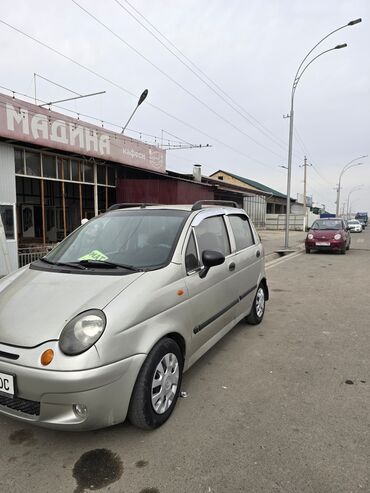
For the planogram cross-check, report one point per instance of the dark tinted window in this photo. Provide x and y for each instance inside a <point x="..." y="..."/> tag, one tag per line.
<point x="242" y="231"/>
<point x="7" y="217"/>
<point x="212" y="235"/>
<point x="191" y="255"/>
<point x="49" y="168"/>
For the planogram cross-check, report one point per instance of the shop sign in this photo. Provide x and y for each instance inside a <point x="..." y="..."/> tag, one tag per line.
<point x="30" y="123"/>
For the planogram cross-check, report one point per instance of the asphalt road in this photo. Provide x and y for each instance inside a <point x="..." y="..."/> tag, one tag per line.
<point x="281" y="407"/>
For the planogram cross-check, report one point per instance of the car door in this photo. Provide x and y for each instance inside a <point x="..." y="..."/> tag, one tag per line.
<point x="212" y="300"/>
<point x="248" y="261"/>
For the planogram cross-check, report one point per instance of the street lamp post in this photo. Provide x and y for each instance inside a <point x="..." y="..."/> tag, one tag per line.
<point x="348" y="166"/>
<point x="354" y="189"/>
<point x="297" y="78"/>
<point x="141" y="100"/>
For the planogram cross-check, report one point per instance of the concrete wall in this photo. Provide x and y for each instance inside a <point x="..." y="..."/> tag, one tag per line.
<point x="277" y="221"/>
<point x="8" y="196"/>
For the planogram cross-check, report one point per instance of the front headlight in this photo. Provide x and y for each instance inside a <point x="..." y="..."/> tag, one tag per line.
<point x="82" y="332"/>
<point x="337" y="237"/>
<point x="310" y="236"/>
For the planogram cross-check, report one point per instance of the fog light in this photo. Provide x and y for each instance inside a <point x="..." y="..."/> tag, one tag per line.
<point x="80" y="410"/>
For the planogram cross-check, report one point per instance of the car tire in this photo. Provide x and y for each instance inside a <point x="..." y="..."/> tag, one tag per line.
<point x="258" y="309"/>
<point x="308" y="250"/>
<point x="151" y="405"/>
<point x="343" y="251"/>
<point x="347" y="247"/>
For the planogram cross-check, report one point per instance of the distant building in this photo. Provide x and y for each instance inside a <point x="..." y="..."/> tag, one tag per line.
<point x="275" y="201"/>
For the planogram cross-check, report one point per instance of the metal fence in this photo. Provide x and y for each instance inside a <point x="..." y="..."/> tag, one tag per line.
<point x="29" y="254"/>
<point x="255" y="207"/>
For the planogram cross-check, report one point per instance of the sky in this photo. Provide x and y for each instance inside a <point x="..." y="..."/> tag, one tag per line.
<point x="250" y="49"/>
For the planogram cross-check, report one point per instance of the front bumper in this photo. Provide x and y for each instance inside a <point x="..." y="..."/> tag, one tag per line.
<point x="333" y="244"/>
<point x="46" y="397"/>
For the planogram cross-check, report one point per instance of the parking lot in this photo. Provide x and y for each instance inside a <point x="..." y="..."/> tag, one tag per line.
<point x="279" y="407"/>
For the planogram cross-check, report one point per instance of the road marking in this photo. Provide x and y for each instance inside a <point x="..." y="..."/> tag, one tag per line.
<point x="278" y="261"/>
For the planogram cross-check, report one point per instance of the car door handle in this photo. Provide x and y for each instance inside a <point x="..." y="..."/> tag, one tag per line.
<point x="258" y="253"/>
<point x="232" y="266"/>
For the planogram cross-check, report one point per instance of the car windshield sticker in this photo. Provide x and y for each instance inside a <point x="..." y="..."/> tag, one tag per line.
<point x="94" y="255"/>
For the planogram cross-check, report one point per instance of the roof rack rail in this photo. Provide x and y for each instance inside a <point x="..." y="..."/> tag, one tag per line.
<point x="126" y="205"/>
<point x="200" y="203"/>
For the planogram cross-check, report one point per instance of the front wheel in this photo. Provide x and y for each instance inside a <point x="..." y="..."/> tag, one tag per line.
<point x="258" y="309"/>
<point x="308" y="250"/>
<point x="157" y="386"/>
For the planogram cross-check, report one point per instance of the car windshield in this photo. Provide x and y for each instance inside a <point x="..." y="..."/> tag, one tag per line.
<point x="353" y="221"/>
<point x="328" y="224"/>
<point x="136" y="239"/>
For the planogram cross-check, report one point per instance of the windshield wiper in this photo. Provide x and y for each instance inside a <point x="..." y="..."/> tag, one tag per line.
<point x="63" y="264"/>
<point x="106" y="263"/>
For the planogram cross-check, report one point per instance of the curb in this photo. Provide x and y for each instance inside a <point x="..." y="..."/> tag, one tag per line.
<point x="282" y="253"/>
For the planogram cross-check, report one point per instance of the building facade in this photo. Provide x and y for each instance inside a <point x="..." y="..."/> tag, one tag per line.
<point x="56" y="171"/>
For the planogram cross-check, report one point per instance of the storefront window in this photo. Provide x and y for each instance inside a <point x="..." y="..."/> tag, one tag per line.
<point x="64" y="171"/>
<point x="7" y="218"/>
<point x="111" y="176"/>
<point x="102" y="171"/>
<point x="102" y="199"/>
<point x="88" y="172"/>
<point x="49" y="166"/>
<point x="33" y="164"/>
<point x="19" y="161"/>
<point x="88" y="201"/>
<point x="76" y="172"/>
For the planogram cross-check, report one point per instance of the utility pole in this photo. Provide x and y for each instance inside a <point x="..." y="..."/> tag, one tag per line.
<point x="304" y="165"/>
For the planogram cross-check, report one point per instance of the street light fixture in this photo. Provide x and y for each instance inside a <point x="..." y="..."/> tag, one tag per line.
<point x="141" y="100"/>
<point x="354" y="189"/>
<point x="297" y="78"/>
<point x="346" y="168"/>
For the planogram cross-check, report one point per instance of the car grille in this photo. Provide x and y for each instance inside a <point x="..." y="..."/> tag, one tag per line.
<point x="23" y="405"/>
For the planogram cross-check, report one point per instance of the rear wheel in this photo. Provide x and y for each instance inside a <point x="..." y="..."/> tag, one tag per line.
<point x="258" y="309"/>
<point x="157" y="386"/>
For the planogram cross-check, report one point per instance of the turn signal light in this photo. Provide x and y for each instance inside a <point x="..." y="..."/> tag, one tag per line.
<point x="47" y="357"/>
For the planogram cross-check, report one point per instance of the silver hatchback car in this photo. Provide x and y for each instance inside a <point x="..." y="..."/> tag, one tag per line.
<point x="103" y="327"/>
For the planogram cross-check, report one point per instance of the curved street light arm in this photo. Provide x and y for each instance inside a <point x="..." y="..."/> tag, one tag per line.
<point x="346" y="168"/>
<point x="351" y="23"/>
<point x="309" y="63"/>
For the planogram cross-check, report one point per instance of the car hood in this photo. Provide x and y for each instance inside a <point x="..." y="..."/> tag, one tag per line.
<point x="36" y="305"/>
<point x="325" y="234"/>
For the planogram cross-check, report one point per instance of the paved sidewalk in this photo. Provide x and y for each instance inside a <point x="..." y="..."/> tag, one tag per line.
<point x="274" y="240"/>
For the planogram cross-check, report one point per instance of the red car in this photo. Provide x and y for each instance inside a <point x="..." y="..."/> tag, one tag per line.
<point x="328" y="234"/>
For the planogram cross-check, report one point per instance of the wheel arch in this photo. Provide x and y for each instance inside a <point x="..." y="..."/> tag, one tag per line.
<point x="265" y="287"/>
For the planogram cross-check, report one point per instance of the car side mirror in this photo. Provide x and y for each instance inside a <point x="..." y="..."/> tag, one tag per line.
<point x="210" y="259"/>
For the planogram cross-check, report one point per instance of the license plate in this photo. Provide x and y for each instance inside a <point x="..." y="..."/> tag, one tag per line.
<point x="7" y="384"/>
<point x="323" y="243"/>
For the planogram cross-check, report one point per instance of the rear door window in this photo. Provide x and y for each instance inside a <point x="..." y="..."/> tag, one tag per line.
<point x="242" y="231"/>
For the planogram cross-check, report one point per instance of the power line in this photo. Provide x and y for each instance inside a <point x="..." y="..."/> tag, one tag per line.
<point x="218" y="91"/>
<point x="174" y="81"/>
<point x="118" y="86"/>
<point x="263" y="128"/>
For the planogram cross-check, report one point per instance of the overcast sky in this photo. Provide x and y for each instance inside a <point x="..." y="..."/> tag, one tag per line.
<point x="250" y="48"/>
